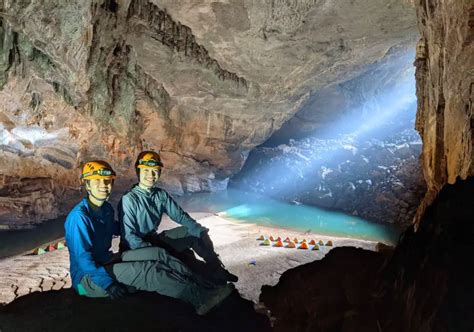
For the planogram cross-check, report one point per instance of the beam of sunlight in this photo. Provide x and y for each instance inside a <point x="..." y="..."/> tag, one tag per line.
<point x="388" y="109"/>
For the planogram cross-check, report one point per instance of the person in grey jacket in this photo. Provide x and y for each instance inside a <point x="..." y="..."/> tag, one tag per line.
<point x="140" y="213"/>
<point x="97" y="272"/>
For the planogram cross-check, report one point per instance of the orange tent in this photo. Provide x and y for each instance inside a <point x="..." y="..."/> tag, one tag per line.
<point x="312" y="242"/>
<point x="278" y="244"/>
<point x="260" y="238"/>
<point x="271" y="238"/>
<point x="303" y="246"/>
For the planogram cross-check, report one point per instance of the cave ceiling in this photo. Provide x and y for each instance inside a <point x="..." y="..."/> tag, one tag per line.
<point x="202" y="81"/>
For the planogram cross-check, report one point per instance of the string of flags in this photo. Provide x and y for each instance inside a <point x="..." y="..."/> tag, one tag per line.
<point x="288" y="243"/>
<point x="50" y="247"/>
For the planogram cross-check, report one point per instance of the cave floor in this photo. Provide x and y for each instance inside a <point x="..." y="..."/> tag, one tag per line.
<point x="242" y="254"/>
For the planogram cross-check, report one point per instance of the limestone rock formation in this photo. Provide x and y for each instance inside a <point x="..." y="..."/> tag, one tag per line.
<point x="444" y="74"/>
<point x="204" y="82"/>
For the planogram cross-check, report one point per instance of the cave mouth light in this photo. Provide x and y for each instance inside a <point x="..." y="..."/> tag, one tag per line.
<point x="387" y="108"/>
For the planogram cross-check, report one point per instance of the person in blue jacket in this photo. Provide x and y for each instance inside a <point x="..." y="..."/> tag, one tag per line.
<point x="140" y="213"/>
<point x="97" y="272"/>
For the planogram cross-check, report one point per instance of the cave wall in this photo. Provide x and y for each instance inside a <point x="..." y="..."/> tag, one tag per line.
<point x="204" y="82"/>
<point x="444" y="73"/>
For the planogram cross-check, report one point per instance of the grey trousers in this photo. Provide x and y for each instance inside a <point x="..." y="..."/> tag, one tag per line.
<point x="152" y="269"/>
<point x="178" y="243"/>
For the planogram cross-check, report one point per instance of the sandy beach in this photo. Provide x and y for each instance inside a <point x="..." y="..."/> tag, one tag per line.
<point x="242" y="254"/>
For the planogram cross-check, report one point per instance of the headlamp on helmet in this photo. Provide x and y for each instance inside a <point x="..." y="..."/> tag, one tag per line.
<point x="149" y="163"/>
<point x="148" y="159"/>
<point x="95" y="170"/>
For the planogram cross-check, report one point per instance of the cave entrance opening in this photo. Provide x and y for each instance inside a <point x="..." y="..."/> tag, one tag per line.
<point x="352" y="148"/>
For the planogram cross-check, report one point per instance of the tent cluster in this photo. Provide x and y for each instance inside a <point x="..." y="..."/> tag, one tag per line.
<point x="288" y="243"/>
<point x="50" y="247"/>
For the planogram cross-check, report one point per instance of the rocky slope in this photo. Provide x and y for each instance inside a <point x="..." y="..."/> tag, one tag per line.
<point x="379" y="179"/>
<point x="204" y="82"/>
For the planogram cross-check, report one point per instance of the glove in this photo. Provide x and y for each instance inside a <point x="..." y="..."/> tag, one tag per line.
<point x="117" y="291"/>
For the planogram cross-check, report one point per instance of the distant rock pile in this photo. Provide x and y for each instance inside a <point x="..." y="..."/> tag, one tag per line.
<point x="377" y="179"/>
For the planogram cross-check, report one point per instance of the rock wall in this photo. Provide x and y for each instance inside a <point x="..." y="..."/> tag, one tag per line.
<point x="444" y="73"/>
<point x="204" y="82"/>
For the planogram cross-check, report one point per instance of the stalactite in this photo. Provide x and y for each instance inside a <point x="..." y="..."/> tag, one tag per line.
<point x="179" y="38"/>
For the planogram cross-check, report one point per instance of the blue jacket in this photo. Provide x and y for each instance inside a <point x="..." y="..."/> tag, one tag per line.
<point x="89" y="237"/>
<point x="140" y="213"/>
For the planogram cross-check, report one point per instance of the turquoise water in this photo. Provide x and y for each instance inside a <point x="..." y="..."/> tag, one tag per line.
<point x="253" y="208"/>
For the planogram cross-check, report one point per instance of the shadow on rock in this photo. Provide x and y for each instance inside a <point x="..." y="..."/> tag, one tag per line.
<point x="65" y="311"/>
<point x="332" y="294"/>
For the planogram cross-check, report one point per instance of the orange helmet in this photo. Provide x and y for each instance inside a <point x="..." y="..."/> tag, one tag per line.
<point x="97" y="169"/>
<point x="148" y="159"/>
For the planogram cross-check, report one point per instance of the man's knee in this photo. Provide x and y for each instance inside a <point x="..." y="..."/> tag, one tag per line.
<point x="175" y="233"/>
<point x="177" y="239"/>
<point x="144" y="254"/>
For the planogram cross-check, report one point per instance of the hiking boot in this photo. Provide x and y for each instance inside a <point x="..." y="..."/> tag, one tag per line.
<point x="213" y="298"/>
<point x="219" y="274"/>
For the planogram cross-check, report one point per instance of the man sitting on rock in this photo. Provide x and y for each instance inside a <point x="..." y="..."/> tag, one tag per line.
<point x="96" y="272"/>
<point x="140" y="213"/>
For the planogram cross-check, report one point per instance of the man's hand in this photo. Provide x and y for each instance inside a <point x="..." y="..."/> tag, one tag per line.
<point x="117" y="291"/>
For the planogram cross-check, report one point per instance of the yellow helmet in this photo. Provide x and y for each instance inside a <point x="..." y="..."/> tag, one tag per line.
<point x="97" y="169"/>
<point x="148" y="159"/>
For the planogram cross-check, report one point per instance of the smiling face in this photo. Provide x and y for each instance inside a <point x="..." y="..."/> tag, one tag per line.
<point x="148" y="177"/>
<point x="99" y="190"/>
